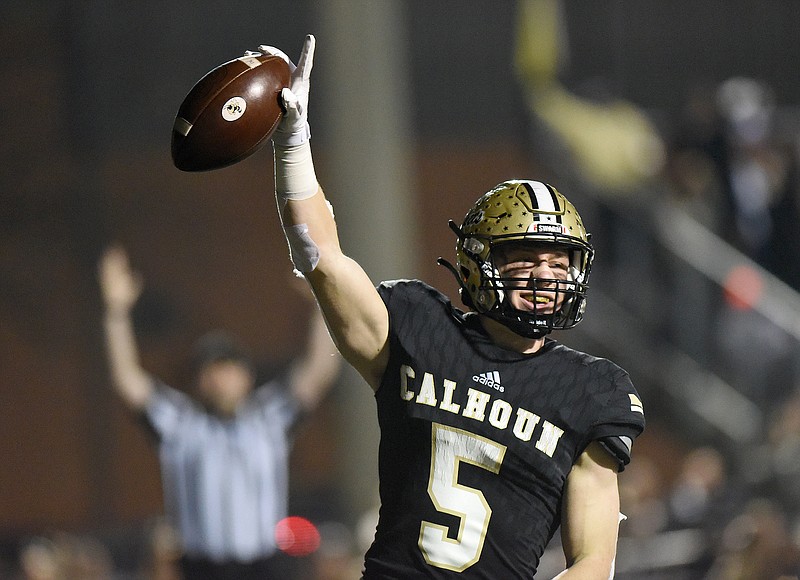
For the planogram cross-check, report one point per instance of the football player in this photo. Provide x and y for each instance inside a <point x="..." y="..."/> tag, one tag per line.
<point x="492" y="433"/>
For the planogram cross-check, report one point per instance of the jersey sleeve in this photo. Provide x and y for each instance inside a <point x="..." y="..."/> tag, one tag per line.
<point x="166" y="410"/>
<point x="274" y="400"/>
<point x="395" y="294"/>
<point x="408" y="301"/>
<point x="621" y="419"/>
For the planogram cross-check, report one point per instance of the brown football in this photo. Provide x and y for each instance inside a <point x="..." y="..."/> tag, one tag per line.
<point x="229" y="113"/>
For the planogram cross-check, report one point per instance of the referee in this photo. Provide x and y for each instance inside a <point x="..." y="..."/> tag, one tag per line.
<point x="224" y="453"/>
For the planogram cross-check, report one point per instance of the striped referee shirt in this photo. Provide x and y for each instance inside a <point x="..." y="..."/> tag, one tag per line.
<point x="225" y="480"/>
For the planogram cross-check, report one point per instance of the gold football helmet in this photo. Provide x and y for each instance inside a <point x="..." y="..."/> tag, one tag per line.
<point x="529" y="213"/>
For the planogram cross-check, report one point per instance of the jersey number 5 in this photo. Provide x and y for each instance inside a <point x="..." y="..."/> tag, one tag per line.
<point x="449" y="448"/>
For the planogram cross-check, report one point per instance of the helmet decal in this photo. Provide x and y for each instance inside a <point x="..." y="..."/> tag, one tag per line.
<point x="542" y="197"/>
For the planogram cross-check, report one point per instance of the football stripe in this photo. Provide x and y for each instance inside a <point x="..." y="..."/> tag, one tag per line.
<point x="544" y="199"/>
<point x="250" y="61"/>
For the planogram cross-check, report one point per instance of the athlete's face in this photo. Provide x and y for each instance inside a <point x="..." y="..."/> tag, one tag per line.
<point x="536" y="273"/>
<point x="223" y="385"/>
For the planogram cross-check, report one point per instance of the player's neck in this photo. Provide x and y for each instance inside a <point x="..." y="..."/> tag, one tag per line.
<point x="506" y="338"/>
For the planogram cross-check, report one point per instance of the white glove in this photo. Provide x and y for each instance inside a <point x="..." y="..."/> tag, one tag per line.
<point x="294" y="128"/>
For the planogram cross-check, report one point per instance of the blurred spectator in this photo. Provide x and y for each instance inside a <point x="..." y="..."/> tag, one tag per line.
<point x="783" y="451"/>
<point x="734" y="173"/>
<point x="65" y="557"/>
<point x="754" y="355"/>
<point x="643" y="498"/>
<point x="339" y="557"/>
<point x="162" y="560"/>
<point x="757" y="545"/>
<point x="782" y="256"/>
<point x="701" y="496"/>
<point x="754" y="172"/>
<point x="39" y="560"/>
<point x="694" y="154"/>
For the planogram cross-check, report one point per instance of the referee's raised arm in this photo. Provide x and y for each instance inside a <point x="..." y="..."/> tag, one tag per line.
<point x="121" y="287"/>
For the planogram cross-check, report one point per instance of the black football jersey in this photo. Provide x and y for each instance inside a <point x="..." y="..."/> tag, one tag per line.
<point x="477" y="441"/>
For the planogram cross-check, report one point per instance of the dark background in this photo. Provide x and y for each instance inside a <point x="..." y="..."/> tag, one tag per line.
<point x="89" y="91"/>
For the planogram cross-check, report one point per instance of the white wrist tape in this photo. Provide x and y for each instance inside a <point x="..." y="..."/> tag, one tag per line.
<point x="294" y="172"/>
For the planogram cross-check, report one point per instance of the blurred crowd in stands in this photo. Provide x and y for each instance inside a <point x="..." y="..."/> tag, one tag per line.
<point x="730" y="509"/>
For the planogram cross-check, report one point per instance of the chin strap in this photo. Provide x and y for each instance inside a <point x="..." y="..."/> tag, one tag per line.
<point x="517" y="325"/>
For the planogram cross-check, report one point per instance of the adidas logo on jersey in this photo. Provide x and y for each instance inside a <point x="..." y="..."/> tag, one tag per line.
<point x="490" y="379"/>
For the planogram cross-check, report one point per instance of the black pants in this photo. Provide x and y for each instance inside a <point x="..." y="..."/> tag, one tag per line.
<point x="276" y="567"/>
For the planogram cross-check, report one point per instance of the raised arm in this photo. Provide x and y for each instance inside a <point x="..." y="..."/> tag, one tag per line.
<point x="353" y="310"/>
<point x="121" y="288"/>
<point x="590" y="516"/>
<point x="317" y="368"/>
